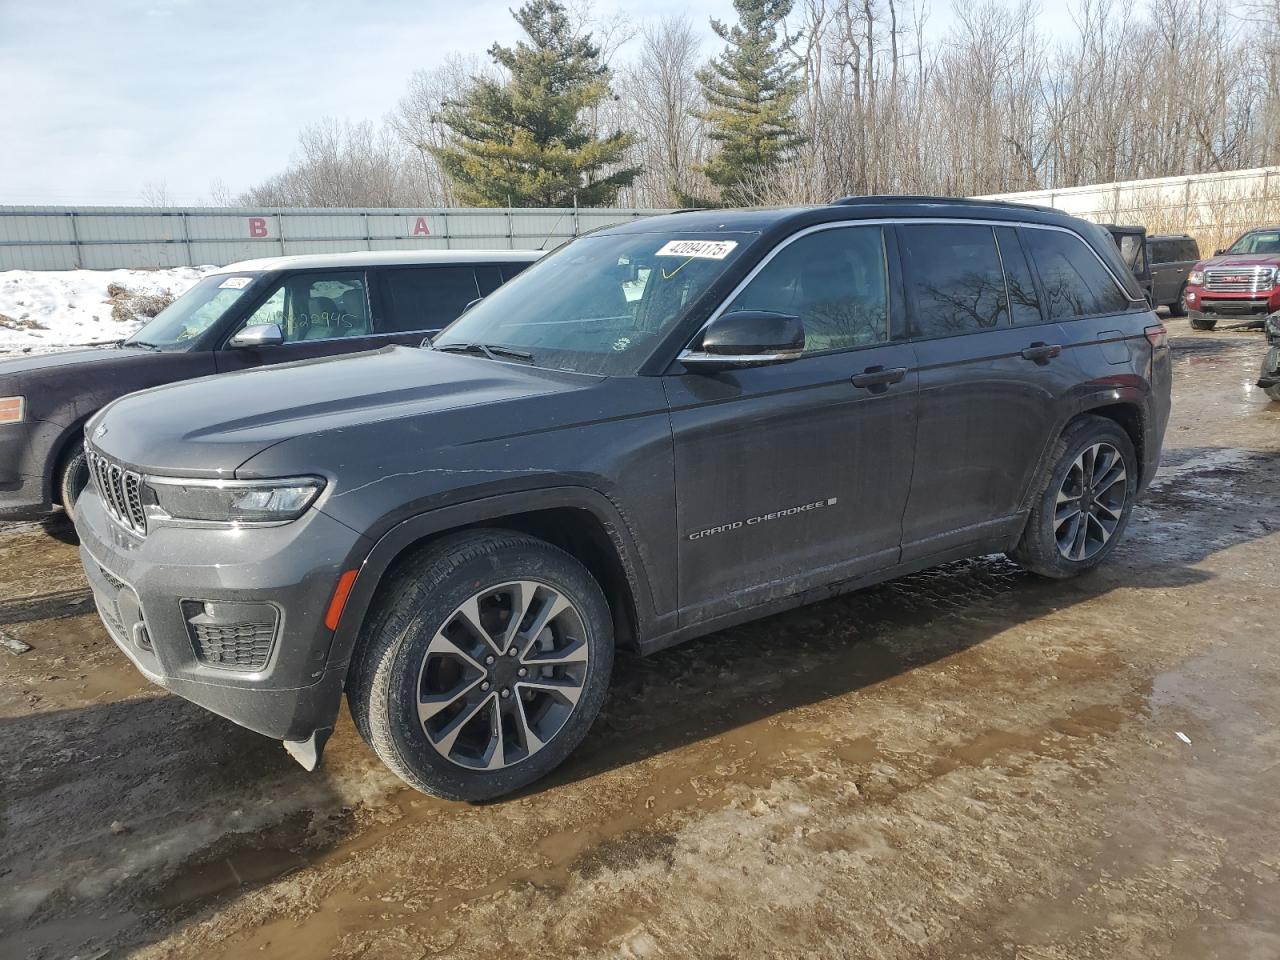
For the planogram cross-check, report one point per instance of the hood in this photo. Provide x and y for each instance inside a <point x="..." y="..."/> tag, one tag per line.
<point x="1241" y="260"/>
<point x="29" y="363"/>
<point x="210" y="426"/>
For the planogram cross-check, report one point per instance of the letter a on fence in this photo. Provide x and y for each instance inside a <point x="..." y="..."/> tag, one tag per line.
<point x="420" y="227"/>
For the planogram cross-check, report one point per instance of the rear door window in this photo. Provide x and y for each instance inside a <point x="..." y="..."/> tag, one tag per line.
<point x="488" y="279"/>
<point x="1163" y="251"/>
<point x="510" y="270"/>
<point x="954" y="279"/>
<point x="1075" y="282"/>
<point x="424" y="298"/>
<point x="1024" y="300"/>
<point x="1190" y="250"/>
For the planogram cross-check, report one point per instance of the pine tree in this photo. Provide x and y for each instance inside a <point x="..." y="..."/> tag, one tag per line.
<point x="751" y="93"/>
<point x="525" y="141"/>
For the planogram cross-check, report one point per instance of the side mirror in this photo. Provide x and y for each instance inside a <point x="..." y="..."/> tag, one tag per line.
<point x="1219" y="252"/>
<point x="257" y="335"/>
<point x="747" y="338"/>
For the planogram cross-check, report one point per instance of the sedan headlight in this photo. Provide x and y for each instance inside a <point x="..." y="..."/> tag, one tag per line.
<point x="230" y="501"/>
<point x="13" y="409"/>
<point x="1196" y="277"/>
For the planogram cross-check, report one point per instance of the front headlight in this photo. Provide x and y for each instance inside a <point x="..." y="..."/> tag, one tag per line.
<point x="1196" y="277"/>
<point x="13" y="409"/>
<point x="230" y="501"/>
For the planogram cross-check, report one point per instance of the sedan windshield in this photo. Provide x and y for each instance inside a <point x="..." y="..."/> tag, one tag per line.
<point x="194" y="312"/>
<point x="1260" y="241"/>
<point x="600" y="304"/>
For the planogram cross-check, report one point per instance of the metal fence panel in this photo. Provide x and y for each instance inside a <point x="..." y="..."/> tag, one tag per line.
<point x="64" y="238"/>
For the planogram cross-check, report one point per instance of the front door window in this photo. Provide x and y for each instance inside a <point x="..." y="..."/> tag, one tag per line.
<point x="317" y="306"/>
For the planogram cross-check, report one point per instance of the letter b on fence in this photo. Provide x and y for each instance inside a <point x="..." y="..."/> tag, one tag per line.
<point x="257" y="227"/>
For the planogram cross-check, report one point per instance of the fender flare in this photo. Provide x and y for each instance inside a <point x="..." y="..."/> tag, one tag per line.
<point x="1098" y="396"/>
<point x="393" y="542"/>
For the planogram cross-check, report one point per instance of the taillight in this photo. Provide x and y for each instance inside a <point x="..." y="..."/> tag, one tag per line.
<point x="1157" y="336"/>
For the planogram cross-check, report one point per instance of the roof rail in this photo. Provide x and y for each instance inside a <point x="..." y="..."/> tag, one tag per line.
<point x="887" y="198"/>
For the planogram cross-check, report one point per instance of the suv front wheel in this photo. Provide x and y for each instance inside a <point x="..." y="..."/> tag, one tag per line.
<point x="482" y="664"/>
<point x="1084" y="506"/>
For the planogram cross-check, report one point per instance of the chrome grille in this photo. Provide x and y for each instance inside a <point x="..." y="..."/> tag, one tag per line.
<point x="120" y="490"/>
<point x="1239" y="279"/>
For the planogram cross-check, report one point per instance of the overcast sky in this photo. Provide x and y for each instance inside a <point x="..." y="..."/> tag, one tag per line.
<point x="100" y="97"/>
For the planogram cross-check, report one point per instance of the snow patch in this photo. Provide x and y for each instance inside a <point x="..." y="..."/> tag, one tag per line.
<point x="56" y="309"/>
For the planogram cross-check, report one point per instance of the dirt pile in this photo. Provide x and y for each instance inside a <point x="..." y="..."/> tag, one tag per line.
<point x="128" y="305"/>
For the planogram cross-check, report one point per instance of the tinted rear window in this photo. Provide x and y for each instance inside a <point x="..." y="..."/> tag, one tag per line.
<point x="1075" y="282"/>
<point x="425" y="298"/>
<point x="954" y="280"/>
<point x="1024" y="301"/>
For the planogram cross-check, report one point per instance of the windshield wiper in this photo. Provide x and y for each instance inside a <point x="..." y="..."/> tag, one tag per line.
<point x="494" y="351"/>
<point x="141" y="343"/>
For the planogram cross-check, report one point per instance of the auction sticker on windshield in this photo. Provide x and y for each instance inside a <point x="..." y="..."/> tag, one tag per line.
<point x="235" y="283"/>
<point x="705" y="249"/>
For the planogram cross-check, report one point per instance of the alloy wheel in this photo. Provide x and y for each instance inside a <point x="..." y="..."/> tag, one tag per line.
<point x="502" y="675"/>
<point x="1090" y="502"/>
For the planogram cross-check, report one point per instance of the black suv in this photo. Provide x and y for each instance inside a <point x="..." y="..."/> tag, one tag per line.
<point x="662" y="429"/>
<point x="245" y="315"/>
<point x="1172" y="255"/>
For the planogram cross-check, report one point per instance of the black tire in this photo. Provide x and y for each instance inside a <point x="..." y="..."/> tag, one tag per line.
<point x="1274" y="392"/>
<point x="1203" y="323"/>
<point x="73" y="476"/>
<point x="1038" y="550"/>
<point x="423" y="598"/>
<point x="1179" y="307"/>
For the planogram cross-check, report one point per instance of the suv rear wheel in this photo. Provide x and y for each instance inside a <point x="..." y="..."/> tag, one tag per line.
<point x="1084" y="505"/>
<point x="1179" y="307"/>
<point x="482" y="664"/>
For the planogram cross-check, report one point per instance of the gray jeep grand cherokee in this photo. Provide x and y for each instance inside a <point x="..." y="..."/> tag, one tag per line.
<point x="664" y="428"/>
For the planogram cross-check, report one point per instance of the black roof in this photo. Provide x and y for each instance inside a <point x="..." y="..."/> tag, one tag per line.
<point x="761" y="219"/>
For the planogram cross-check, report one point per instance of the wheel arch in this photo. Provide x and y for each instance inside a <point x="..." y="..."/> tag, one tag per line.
<point x="59" y="451"/>
<point x="1131" y="418"/>
<point x="580" y="521"/>
<point x="1124" y="407"/>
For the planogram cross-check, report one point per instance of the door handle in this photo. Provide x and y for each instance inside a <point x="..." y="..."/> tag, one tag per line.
<point x="877" y="378"/>
<point x="1042" y="352"/>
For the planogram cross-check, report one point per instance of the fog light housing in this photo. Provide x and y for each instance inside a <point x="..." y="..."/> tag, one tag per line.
<point x="230" y="635"/>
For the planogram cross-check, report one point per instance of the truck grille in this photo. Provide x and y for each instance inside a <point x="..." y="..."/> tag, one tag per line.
<point x="120" y="490"/>
<point x="1239" y="280"/>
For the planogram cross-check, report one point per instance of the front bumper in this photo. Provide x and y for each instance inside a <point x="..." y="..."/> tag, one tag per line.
<point x="147" y="590"/>
<point x="1207" y="305"/>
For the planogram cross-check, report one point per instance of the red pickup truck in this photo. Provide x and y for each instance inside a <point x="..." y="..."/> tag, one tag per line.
<point x="1240" y="281"/>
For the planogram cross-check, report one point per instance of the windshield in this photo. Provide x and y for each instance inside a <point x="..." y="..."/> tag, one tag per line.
<point x="601" y="303"/>
<point x="1261" y="241"/>
<point x="195" y="311"/>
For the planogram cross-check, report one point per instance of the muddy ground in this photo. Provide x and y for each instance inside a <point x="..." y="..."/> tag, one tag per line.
<point x="969" y="762"/>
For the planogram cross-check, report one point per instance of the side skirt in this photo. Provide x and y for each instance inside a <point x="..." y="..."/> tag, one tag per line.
<point x="805" y="597"/>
